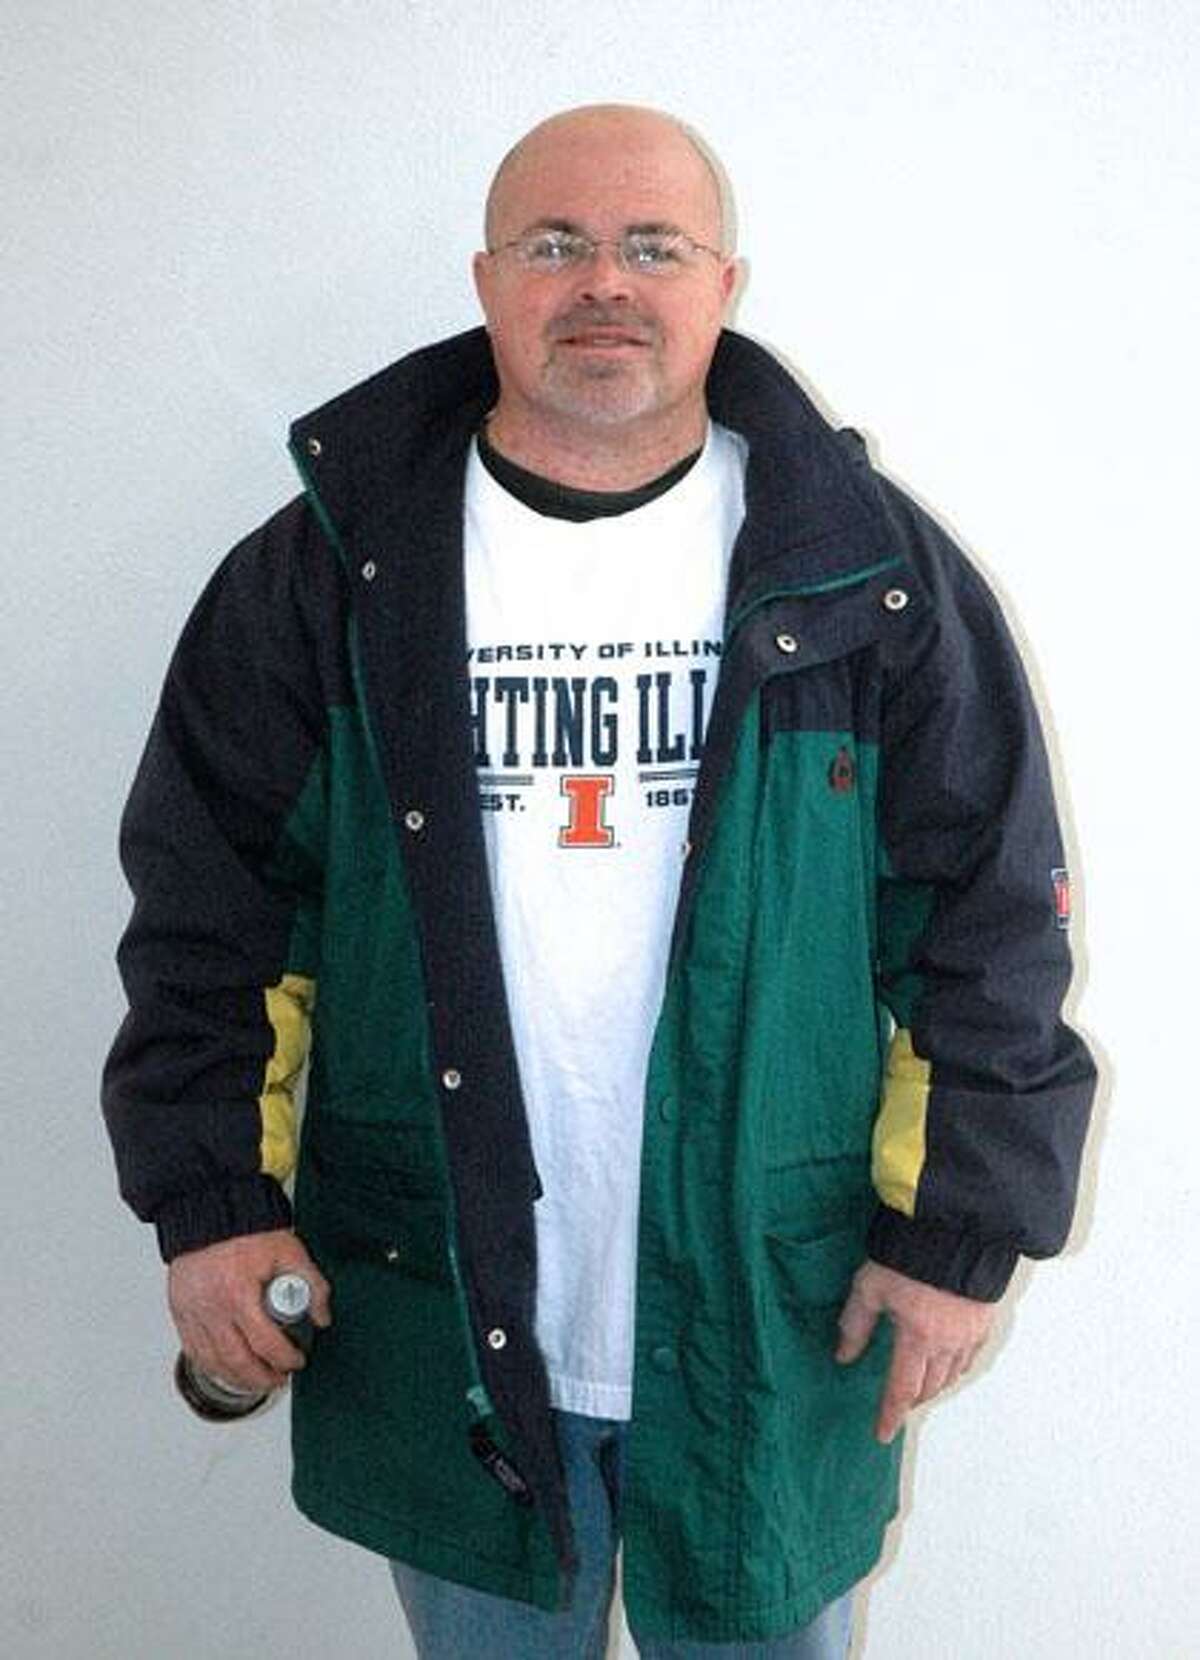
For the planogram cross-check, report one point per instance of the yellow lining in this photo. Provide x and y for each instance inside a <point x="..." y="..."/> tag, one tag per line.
<point x="289" y="1005"/>
<point x="898" y="1148"/>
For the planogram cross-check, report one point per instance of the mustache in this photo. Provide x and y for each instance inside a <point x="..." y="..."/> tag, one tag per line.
<point x="619" y="319"/>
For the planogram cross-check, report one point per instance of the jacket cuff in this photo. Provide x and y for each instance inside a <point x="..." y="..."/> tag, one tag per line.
<point x="941" y="1256"/>
<point x="247" y="1204"/>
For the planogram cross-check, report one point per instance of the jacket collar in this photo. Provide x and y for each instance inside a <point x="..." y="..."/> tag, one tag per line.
<point x="391" y="450"/>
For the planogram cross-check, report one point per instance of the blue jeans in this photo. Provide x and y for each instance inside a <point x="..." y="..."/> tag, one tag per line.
<point x="451" y="1622"/>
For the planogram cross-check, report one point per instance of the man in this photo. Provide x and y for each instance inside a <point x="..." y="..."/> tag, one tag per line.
<point x="668" y="1027"/>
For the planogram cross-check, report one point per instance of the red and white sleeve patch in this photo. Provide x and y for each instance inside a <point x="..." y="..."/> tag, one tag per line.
<point x="1062" y="897"/>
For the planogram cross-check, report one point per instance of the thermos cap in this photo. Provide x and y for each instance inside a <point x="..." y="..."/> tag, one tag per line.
<point x="288" y="1298"/>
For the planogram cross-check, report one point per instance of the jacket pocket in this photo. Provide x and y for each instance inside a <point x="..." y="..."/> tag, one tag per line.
<point x="377" y="1195"/>
<point x="407" y="1237"/>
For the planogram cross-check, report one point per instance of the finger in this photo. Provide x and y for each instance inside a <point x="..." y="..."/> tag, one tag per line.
<point x="905" y="1379"/>
<point x="855" y="1325"/>
<point x="966" y="1359"/>
<point x="960" y="1366"/>
<point x="321" y="1311"/>
<point x="224" y="1353"/>
<point x="270" y="1343"/>
<point x="193" y="1341"/>
<point x="244" y="1346"/>
<point x="939" y="1371"/>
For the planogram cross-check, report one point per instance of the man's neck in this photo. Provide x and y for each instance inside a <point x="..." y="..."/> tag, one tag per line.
<point x="563" y="501"/>
<point x="598" y="457"/>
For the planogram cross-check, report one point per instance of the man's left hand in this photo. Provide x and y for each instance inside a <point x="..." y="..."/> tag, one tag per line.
<point x="937" y="1336"/>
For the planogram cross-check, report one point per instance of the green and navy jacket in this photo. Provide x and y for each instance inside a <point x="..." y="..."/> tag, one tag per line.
<point x="860" y="1048"/>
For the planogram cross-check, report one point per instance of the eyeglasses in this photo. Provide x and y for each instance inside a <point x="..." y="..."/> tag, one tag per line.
<point x="642" y="253"/>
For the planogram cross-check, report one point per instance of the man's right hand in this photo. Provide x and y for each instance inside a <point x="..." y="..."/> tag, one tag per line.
<point x="215" y="1296"/>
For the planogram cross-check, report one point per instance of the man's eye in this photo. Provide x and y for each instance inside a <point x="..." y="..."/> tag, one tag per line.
<point x="550" y="250"/>
<point x="652" y="254"/>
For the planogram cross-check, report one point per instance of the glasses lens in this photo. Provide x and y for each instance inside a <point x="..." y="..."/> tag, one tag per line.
<point x="655" y="253"/>
<point x="552" y="250"/>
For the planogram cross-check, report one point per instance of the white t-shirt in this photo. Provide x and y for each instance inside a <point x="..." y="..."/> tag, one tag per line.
<point x="594" y="651"/>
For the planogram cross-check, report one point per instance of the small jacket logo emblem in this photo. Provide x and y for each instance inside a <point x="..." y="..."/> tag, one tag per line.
<point x="1062" y="898"/>
<point x="841" y="772"/>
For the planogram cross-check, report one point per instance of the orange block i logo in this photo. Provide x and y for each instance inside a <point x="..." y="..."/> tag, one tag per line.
<point x="585" y="826"/>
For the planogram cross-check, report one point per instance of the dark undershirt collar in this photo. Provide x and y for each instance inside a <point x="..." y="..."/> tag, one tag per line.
<point x="561" y="501"/>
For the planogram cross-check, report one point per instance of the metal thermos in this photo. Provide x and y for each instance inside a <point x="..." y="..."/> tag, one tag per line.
<point x="287" y="1299"/>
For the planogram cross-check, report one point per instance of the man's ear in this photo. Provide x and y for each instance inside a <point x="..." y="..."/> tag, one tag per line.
<point x="481" y="271"/>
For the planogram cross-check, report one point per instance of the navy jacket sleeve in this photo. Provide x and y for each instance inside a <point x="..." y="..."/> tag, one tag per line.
<point x="217" y="847"/>
<point x="987" y="1092"/>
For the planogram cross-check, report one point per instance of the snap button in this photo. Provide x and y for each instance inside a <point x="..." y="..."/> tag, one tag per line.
<point x="414" y="819"/>
<point x="392" y="1254"/>
<point x="452" y="1078"/>
<point x="313" y="446"/>
<point x="668" y="1109"/>
<point x="787" y="643"/>
<point x="368" y="571"/>
<point x="664" y="1359"/>
<point x="497" y="1338"/>
<point x="895" y="599"/>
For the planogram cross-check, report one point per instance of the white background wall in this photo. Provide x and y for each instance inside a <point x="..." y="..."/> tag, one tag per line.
<point x="974" y="226"/>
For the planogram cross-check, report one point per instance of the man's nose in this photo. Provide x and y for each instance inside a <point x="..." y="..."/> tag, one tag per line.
<point x="604" y="277"/>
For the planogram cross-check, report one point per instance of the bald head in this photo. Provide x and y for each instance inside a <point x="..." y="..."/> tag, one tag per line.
<point x="625" y="135"/>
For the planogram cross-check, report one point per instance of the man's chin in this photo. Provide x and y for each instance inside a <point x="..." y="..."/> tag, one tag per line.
<point x="602" y="394"/>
